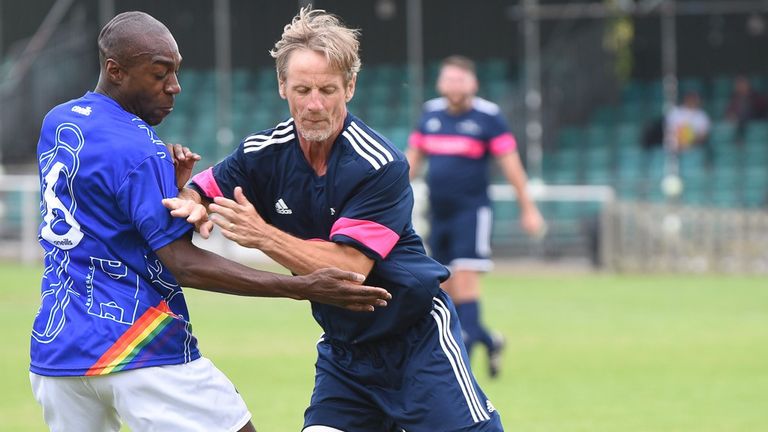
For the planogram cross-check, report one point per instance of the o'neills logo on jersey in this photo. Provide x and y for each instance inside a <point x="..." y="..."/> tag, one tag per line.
<point x="86" y="111"/>
<point x="281" y="208"/>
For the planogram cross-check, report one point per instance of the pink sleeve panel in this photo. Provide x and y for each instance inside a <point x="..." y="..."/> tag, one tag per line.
<point x="416" y="140"/>
<point x="503" y="143"/>
<point x="374" y="236"/>
<point x="207" y="183"/>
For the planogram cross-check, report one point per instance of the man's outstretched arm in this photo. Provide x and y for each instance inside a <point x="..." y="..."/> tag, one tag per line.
<point x="197" y="268"/>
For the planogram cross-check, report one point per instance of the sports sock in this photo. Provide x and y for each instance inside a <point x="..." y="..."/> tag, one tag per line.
<point x="483" y="335"/>
<point x="469" y="315"/>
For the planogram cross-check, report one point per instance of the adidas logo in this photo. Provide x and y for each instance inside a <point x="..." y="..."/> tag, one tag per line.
<point x="489" y="406"/>
<point x="80" y="110"/>
<point x="281" y="208"/>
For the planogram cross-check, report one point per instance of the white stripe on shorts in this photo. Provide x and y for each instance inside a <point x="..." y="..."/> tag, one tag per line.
<point x="483" y="231"/>
<point x="442" y="316"/>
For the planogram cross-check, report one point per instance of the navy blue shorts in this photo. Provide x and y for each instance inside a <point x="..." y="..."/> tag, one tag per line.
<point x="418" y="382"/>
<point x="460" y="238"/>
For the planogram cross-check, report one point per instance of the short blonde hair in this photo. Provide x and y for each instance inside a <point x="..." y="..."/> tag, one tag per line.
<point x="322" y="32"/>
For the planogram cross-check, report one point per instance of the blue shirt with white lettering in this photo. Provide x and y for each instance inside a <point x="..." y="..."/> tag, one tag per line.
<point x="107" y="302"/>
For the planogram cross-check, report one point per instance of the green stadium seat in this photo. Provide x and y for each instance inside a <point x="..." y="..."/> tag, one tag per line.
<point x="692" y="84"/>
<point x="493" y="69"/>
<point x="627" y="136"/>
<point x="716" y="107"/>
<point x="598" y="176"/>
<point x="693" y="159"/>
<point x="567" y="176"/>
<point x="570" y="137"/>
<point x="604" y="116"/>
<point x="721" y="87"/>
<point x="494" y="90"/>
<point x="755" y="197"/>
<point x="757" y="133"/>
<point x="755" y="154"/>
<point x="759" y="82"/>
<point x="399" y="137"/>
<point x="722" y="133"/>
<point x="242" y="80"/>
<point x="726" y="198"/>
<point x="266" y="80"/>
<point x="632" y="91"/>
<point x="654" y="93"/>
<point x="631" y="111"/>
<point x="378" y="116"/>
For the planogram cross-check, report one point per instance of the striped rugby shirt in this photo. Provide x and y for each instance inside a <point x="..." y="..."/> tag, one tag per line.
<point x="107" y="302"/>
<point x="364" y="200"/>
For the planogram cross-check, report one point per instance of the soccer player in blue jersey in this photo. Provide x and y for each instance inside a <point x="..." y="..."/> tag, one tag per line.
<point x="112" y="339"/>
<point x="322" y="188"/>
<point x="459" y="133"/>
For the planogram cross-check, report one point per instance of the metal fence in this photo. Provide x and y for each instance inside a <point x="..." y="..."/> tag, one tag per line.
<point x="643" y="237"/>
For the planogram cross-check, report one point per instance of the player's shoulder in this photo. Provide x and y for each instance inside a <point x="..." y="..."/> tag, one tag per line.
<point x="435" y="105"/>
<point x="485" y="106"/>
<point x="367" y="147"/>
<point x="106" y="127"/>
<point x="269" y="141"/>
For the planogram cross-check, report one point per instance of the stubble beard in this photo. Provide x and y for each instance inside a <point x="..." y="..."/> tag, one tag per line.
<point x="316" y="135"/>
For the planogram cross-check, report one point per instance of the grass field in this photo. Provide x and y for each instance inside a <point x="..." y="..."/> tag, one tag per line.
<point x="586" y="352"/>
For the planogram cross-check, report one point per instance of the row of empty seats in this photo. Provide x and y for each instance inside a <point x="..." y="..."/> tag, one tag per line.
<point x="606" y="150"/>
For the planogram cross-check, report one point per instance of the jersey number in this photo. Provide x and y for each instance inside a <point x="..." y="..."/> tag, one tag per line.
<point x="59" y="225"/>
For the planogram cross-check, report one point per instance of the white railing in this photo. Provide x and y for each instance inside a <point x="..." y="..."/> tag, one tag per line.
<point x="20" y="217"/>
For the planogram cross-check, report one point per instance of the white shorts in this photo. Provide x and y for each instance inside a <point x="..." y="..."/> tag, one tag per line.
<point x="189" y="397"/>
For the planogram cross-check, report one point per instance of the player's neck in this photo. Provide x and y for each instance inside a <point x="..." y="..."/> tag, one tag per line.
<point x="459" y="108"/>
<point x="317" y="153"/>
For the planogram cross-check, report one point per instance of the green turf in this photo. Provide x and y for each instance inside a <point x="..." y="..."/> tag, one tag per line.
<point x="586" y="352"/>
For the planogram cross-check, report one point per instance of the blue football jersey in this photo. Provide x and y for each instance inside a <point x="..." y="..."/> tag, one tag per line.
<point x="364" y="200"/>
<point x="107" y="302"/>
<point x="458" y="148"/>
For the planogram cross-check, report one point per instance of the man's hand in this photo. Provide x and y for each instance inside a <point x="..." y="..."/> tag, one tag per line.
<point x="341" y="288"/>
<point x="185" y="206"/>
<point x="239" y="221"/>
<point x="532" y="222"/>
<point x="184" y="160"/>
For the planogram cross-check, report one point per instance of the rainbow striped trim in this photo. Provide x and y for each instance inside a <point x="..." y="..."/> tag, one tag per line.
<point x="128" y="346"/>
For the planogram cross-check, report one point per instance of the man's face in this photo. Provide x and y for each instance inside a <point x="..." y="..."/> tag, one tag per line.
<point x="150" y="83"/>
<point x="457" y="85"/>
<point x="316" y="94"/>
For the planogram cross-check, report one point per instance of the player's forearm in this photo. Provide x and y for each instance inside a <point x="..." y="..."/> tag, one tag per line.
<point x="515" y="174"/>
<point x="197" y="268"/>
<point x="415" y="158"/>
<point x="305" y="256"/>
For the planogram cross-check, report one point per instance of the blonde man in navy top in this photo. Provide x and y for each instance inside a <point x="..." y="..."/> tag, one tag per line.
<point x="459" y="133"/>
<point x="322" y="188"/>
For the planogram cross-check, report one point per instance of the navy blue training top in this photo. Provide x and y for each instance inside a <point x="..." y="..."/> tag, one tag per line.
<point x="364" y="200"/>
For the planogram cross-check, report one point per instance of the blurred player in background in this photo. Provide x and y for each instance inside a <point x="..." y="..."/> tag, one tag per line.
<point x="322" y="188"/>
<point x="458" y="133"/>
<point x="112" y="339"/>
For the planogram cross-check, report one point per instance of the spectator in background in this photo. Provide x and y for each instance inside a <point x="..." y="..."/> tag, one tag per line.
<point x="688" y="123"/>
<point x="745" y="104"/>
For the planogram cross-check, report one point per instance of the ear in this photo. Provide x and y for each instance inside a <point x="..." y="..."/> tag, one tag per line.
<point x="350" y="90"/>
<point x="114" y="71"/>
<point x="281" y="88"/>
